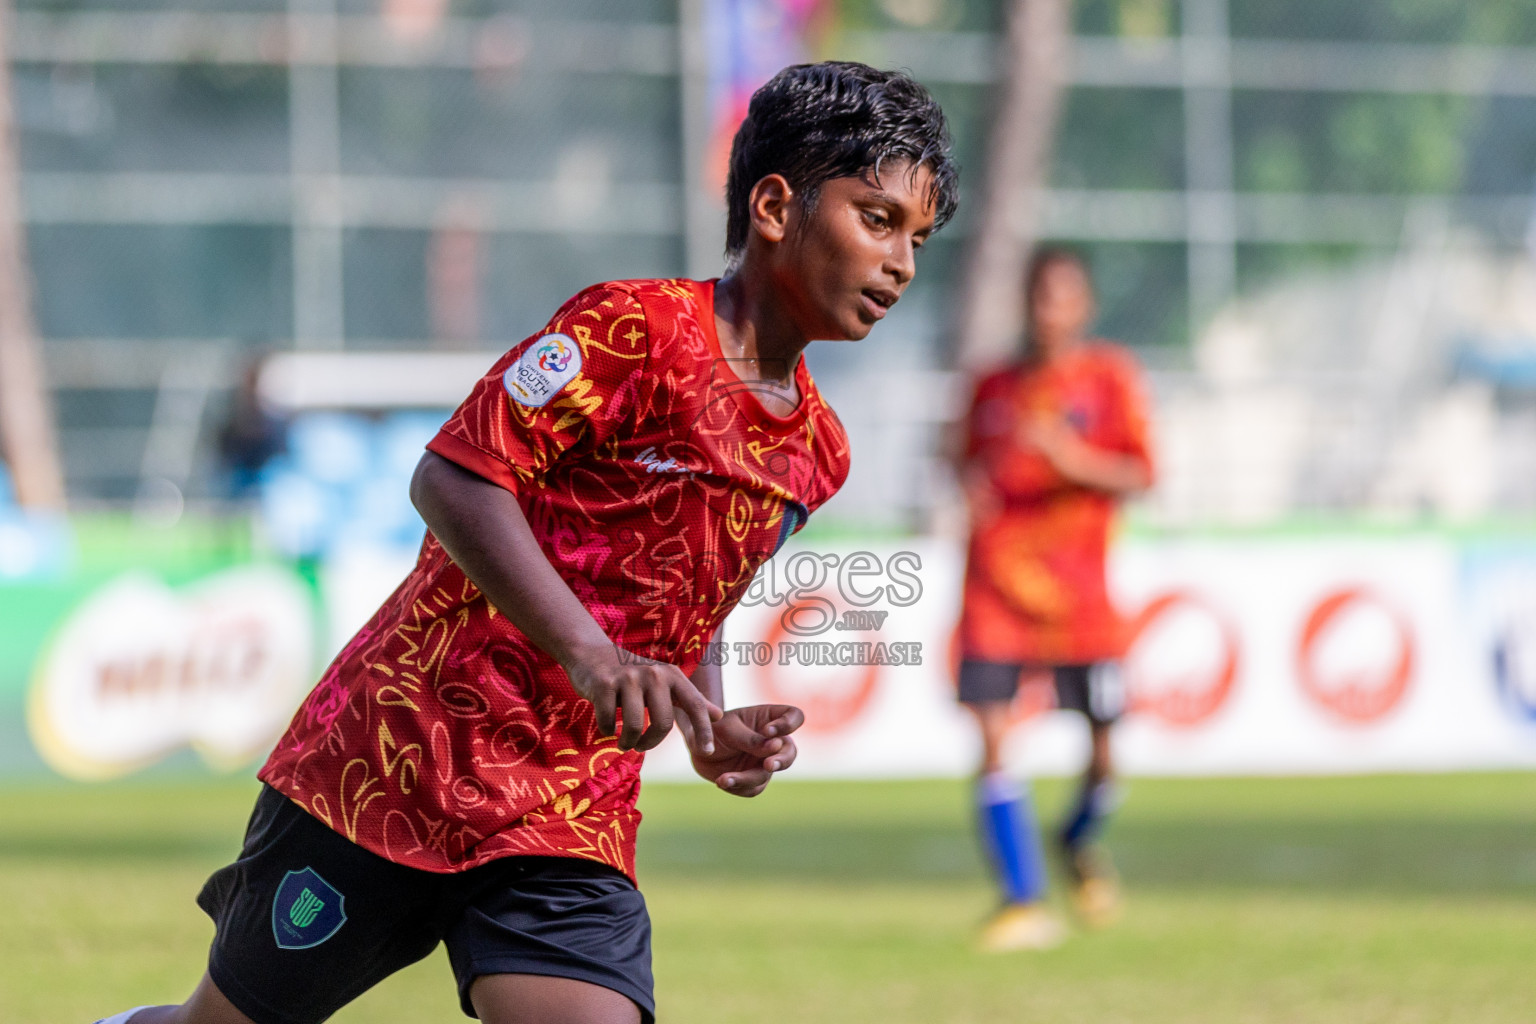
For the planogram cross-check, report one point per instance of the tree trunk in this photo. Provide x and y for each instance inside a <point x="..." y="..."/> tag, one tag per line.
<point x="989" y="313"/>
<point x="26" y="419"/>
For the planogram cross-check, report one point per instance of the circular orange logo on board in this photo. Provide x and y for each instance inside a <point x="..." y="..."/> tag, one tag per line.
<point x="828" y="708"/>
<point x="1359" y="693"/>
<point x="1182" y="659"/>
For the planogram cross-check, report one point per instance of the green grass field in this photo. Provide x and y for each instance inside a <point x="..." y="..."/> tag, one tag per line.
<point x="1390" y="899"/>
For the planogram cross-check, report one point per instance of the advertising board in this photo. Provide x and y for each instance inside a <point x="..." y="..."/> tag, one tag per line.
<point x="1305" y="653"/>
<point x="1261" y="655"/>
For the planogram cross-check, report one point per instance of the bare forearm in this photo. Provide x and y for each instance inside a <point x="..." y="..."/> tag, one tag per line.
<point x="482" y="528"/>
<point x="1112" y="472"/>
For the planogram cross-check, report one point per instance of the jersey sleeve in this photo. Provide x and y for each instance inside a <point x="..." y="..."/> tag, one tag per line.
<point x="569" y="387"/>
<point x="1133" y="411"/>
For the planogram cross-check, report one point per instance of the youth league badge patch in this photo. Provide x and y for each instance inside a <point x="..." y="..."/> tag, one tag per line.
<point x="545" y="367"/>
<point x="306" y="910"/>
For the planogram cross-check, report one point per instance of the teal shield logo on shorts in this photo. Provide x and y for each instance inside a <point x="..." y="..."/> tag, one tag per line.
<point x="306" y="910"/>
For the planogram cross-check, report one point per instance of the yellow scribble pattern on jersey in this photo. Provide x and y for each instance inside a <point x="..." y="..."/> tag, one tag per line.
<point x="441" y="738"/>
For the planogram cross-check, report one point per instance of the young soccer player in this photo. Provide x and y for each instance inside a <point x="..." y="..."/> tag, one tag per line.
<point x="595" y="508"/>
<point x="467" y="768"/>
<point x="1054" y="443"/>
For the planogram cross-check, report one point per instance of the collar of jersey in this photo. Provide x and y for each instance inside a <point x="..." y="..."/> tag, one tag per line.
<point x="741" y="393"/>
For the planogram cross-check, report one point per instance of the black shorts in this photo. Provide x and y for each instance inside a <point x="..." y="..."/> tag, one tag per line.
<point x="1095" y="690"/>
<point x="308" y="921"/>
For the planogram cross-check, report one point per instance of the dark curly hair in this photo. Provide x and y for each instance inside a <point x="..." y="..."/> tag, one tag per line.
<point x="835" y="119"/>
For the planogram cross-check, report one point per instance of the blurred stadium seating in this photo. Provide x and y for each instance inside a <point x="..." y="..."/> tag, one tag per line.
<point x="430" y="176"/>
<point x="345" y="480"/>
<point x="32" y="546"/>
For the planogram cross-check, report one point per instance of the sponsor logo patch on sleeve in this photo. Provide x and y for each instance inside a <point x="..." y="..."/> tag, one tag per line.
<point x="545" y="367"/>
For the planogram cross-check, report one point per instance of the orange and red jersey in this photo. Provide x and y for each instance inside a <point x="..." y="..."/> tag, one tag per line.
<point x="441" y="737"/>
<point x="1034" y="583"/>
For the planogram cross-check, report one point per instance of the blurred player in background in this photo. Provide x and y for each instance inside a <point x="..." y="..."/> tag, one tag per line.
<point x="253" y="434"/>
<point x="1053" y="444"/>
<point x="455" y="775"/>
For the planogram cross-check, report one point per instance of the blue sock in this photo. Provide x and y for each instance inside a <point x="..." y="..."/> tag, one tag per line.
<point x="1094" y="802"/>
<point x="1011" y="836"/>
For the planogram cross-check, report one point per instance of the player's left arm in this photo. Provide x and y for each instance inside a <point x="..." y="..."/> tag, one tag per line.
<point x="751" y="743"/>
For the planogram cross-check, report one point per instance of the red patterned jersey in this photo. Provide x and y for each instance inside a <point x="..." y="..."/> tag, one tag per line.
<point x="441" y="738"/>
<point x="1034" y="582"/>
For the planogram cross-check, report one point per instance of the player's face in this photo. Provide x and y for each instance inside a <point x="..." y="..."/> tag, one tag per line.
<point x="1061" y="302"/>
<point x="852" y="255"/>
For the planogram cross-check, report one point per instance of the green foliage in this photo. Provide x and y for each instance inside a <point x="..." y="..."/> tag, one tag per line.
<point x="1367" y="142"/>
<point x="1392" y="143"/>
<point x="922" y="15"/>
<point x="1486" y="22"/>
<point x="1274" y="161"/>
<point x="1120" y="138"/>
<point x="1133" y="19"/>
<point x="1140" y="291"/>
<point x="1259" y="264"/>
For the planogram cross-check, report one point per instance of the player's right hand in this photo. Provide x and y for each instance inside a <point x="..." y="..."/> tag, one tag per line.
<point x="624" y="688"/>
<point x="754" y="743"/>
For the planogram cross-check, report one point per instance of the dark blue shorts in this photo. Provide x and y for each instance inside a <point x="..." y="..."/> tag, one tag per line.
<point x="1096" y="690"/>
<point x="308" y="921"/>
